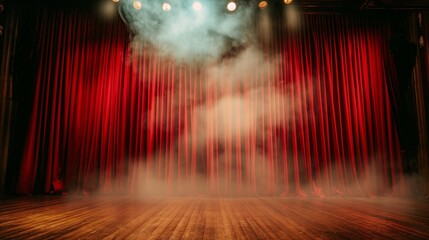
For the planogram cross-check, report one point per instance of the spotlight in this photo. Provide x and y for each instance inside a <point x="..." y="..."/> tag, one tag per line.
<point x="166" y="7"/>
<point x="115" y="1"/>
<point x="262" y="4"/>
<point x="197" y="6"/>
<point x="137" y="5"/>
<point x="288" y="1"/>
<point x="232" y="6"/>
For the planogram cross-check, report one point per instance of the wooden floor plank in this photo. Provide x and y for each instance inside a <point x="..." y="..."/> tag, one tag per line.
<point x="182" y="223"/>
<point x="132" y="217"/>
<point x="189" y="231"/>
<point x="235" y="226"/>
<point x="223" y="228"/>
<point x="241" y="220"/>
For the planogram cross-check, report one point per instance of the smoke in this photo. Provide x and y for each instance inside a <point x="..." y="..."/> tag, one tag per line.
<point x="186" y="34"/>
<point x="243" y="97"/>
<point x="240" y="95"/>
<point x="238" y="104"/>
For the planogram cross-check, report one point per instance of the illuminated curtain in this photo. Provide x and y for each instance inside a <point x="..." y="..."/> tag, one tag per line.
<point x="306" y="111"/>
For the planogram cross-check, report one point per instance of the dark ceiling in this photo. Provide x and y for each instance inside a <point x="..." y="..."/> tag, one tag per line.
<point x="329" y="6"/>
<point x="363" y="4"/>
<point x="309" y="6"/>
<point x="396" y="4"/>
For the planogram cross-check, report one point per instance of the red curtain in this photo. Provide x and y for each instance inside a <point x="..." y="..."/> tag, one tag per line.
<point x="305" y="112"/>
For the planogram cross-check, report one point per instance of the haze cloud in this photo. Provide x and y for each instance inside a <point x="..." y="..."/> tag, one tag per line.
<point x="185" y="34"/>
<point x="240" y="94"/>
<point x="237" y="103"/>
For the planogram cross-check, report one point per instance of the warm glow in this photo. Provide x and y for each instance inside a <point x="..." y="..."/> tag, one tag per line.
<point x="288" y="1"/>
<point x="197" y="6"/>
<point x="108" y="9"/>
<point x="115" y="1"/>
<point x="137" y="5"/>
<point x="263" y="4"/>
<point x="166" y="7"/>
<point x="291" y="17"/>
<point x="231" y="6"/>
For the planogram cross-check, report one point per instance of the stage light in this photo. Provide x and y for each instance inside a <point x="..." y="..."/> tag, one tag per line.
<point x="262" y="4"/>
<point x="197" y="6"/>
<point x="166" y="7"/>
<point x="232" y="6"/>
<point x="137" y="5"/>
<point x="288" y="1"/>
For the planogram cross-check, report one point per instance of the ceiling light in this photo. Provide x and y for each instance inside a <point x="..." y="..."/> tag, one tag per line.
<point x="262" y="4"/>
<point x="197" y="6"/>
<point x="137" y="5"/>
<point x="231" y="6"/>
<point x="166" y="7"/>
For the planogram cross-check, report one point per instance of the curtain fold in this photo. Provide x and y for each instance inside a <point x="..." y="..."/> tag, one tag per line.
<point x="305" y="112"/>
<point x="7" y="39"/>
<point x="420" y="88"/>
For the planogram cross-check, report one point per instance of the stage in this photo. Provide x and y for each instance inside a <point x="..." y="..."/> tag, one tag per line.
<point x="131" y="217"/>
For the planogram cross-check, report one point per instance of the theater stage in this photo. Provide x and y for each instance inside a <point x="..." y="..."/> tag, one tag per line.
<point x="130" y="217"/>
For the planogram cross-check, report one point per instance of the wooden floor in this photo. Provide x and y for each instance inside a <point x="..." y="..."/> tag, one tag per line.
<point x="90" y="217"/>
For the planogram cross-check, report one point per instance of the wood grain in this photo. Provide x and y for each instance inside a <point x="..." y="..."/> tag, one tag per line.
<point x="130" y="217"/>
